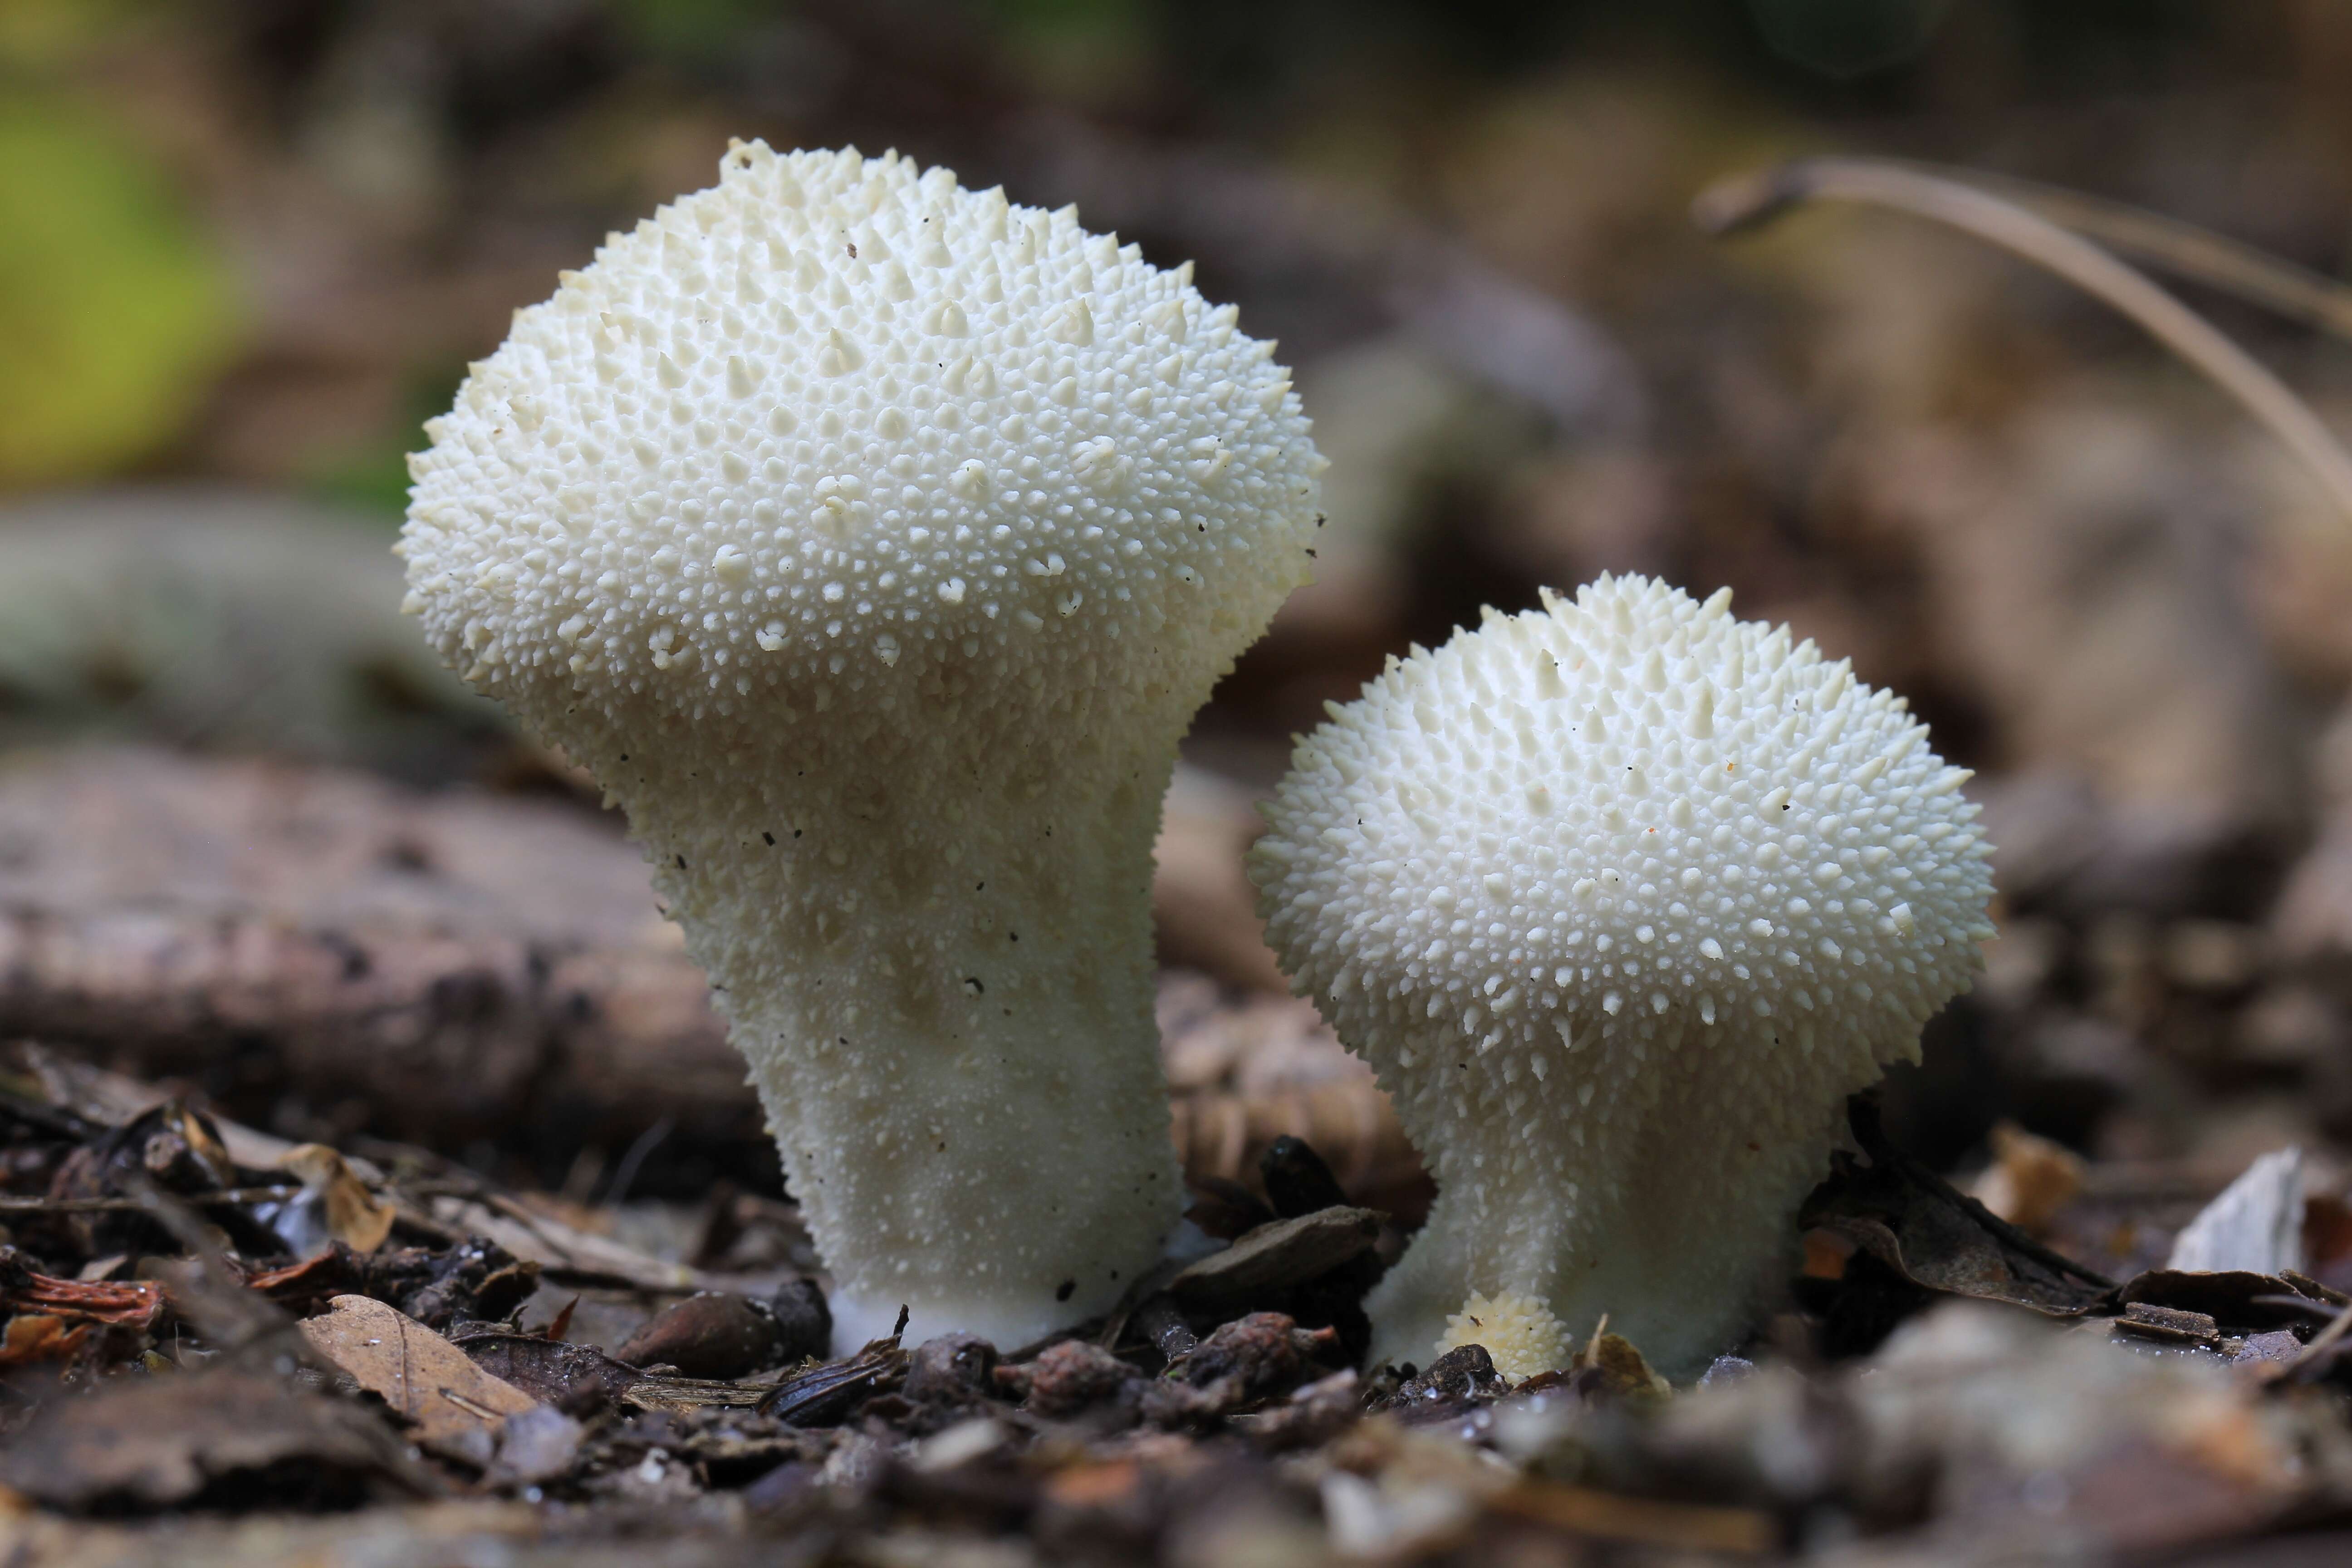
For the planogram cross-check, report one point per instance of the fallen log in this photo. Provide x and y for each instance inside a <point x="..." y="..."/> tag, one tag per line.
<point x="326" y="954"/>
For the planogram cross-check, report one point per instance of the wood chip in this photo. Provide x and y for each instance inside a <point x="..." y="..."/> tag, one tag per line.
<point x="2168" y="1326"/>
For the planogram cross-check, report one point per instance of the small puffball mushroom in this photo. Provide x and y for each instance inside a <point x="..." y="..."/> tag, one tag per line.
<point x="1620" y="899"/>
<point x="1520" y="1335"/>
<point x="872" y="541"/>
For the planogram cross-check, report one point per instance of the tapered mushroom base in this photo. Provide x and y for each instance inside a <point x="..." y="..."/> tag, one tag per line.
<point x="1680" y="1258"/>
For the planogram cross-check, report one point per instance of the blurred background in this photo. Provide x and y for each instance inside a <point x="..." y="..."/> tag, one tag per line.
<point x="249" y="834"/>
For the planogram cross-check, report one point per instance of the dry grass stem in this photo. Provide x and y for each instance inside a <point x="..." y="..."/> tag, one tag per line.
<point x="1751" y="200"/>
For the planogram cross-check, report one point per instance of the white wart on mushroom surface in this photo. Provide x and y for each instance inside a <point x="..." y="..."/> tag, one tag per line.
<point x="873" y="542"/>
<point x="1621" y="899"/>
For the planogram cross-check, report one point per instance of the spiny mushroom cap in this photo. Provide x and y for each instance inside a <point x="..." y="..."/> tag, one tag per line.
<point x="1576" y="824"/>
<point x="873" y="542"/>
<point x="1599" y="887"/>
<point x="836" y="417"/>
<point x="1521" y="1336"/>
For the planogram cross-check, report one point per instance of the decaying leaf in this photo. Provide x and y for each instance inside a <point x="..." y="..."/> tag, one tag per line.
<point x="824" y="1393"/>
<point x="1284" y="1253"/>
<point x="334" y="1204"/>
<point x="1935" y="1238"/>
<point x="2238" y="1301"/>
<point x="1618" y="1369"/>
<point x="2031" y="1177"/>
<point x="39" y="1336"/>
<point x="165" y="1441"/>
<point x="307" y="1286"/>
<point x="426" y="1379"/>
<point x="569" y="1376"/>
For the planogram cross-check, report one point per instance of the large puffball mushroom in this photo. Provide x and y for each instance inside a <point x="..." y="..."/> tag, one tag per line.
<point x="873" y="542"/>
<point x="1620" y="899"/>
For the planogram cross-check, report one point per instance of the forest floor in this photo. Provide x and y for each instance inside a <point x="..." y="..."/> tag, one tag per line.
<point x="328" y="1341"/>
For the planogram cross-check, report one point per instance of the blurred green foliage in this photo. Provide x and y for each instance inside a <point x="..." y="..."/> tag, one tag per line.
<point x="42" y="35"/>
<point x="115" y="312"/>
<point x="691" y="29"/>
<point x="372" y="479"/>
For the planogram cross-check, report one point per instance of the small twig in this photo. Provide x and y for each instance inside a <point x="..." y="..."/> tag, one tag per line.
<point x="574" y="1279"/>
<point x="1592" y="1345"/>
<point x="455" y="1180"/>
<point x="2321" y="1343"/>
<point x="500" y="1204"/>
<point x="625" y="1176"/>
<point x="2315" y="1289"/>
<point x="2183" y="249"/>
<point x="482" y="1196"/>
<point x="474" y="1408"/>
<point x="1752" y="200"/>
<point x="228" y="1198"/>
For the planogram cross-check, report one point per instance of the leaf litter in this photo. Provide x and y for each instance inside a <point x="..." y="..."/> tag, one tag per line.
<point x="323" y="1369"/>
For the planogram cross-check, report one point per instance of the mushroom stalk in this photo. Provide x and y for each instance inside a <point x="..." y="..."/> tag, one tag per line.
<point x="1621" y="899"/>
<point x="946" y="1013"/>
<point x="873" y="542"/>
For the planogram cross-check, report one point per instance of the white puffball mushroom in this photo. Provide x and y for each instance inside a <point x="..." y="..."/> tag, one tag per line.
<point x="1621" y="899"/>
<point x="873" y="542"/>
<point x="1520" y="1334"/>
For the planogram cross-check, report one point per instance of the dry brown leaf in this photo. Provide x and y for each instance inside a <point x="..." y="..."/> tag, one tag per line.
<point x="37" y="1337"/>
<point x="2031" y="1178"/>
<point x="1622" y="1371"/>
<point x="425" y="1378"/>
<point x="353" y="1214"/>
<point x="140" y="1444"/>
